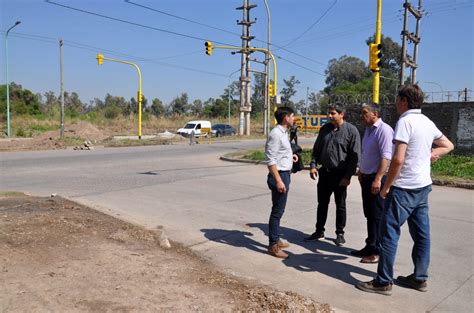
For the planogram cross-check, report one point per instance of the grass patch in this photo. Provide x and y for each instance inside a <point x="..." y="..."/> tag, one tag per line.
<point x="11" y="193"/>
<point x="454" y="166"/>
<point x="136" y="142"/>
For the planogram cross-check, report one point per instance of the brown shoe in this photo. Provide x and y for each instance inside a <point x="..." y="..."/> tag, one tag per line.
<point x="374" y="287"/>
<point x="374" y="258"/>
<point x="282" y="244"/>
<point x="277" y="252"/>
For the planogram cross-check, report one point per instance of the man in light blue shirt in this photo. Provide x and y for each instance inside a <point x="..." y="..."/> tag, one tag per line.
<point x="279" y="158"/>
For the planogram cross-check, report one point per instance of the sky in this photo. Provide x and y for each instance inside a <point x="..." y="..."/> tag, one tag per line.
<point x="169" y="46"/>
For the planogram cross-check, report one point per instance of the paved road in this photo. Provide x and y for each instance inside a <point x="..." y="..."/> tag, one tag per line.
<point x="220" y="210"/>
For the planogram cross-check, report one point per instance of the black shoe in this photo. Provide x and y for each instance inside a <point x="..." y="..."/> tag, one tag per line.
<point x="340" y="241"/>
<point x="366" y="251"/>
<point x="374" y="287"/>
<point x="315" y="236"/>
<point x="411" y="282"/>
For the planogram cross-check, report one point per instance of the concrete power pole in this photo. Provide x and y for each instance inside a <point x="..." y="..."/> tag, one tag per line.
<point x="62" y="86"/>
<point x="245" y="105"/>
<point x="414" y="38"/>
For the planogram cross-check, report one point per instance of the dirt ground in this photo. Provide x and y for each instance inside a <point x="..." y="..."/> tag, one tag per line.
<point x="59" y="256"/>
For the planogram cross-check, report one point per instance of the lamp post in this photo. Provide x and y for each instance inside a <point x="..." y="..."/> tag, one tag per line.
<point x="100" y="58"/>
<point x="266" y="119"/>
<point x="6" y="74"/>
<point x="441" y="88"/>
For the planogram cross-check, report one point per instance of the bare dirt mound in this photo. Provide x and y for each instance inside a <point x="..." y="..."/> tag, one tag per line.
<point x="82" y="129"/>
<point x="59" y="256"/>
<point x="74" y="133"/>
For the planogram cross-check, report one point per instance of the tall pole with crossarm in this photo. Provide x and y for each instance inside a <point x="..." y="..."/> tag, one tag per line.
<point x="6" y="76"/>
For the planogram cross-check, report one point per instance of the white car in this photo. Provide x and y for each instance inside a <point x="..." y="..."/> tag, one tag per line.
<point x="194" y="126"/>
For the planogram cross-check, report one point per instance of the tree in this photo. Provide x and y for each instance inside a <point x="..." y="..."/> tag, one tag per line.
<point x="73" y="106"/>
<point x="157" y="108"/>
<point x="197" y="108"/>
<point x="345" y="70"/>
<point x="258" y="96"/>
<point x="289" y="91"/>
<point x="51" y="103"/>
<point x="180" y="105"/>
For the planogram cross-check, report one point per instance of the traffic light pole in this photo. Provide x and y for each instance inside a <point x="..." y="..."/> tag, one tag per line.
<point x="100" y="59"/>
<point x="378" y="31"/>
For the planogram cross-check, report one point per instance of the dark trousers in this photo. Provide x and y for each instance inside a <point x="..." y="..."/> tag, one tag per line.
<point x="328" y="183"/>
<point x="278" y="205"/>
<point x="373" y="209"/>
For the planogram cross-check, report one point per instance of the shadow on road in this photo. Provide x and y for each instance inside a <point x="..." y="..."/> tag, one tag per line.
<point x="324" y="257"/>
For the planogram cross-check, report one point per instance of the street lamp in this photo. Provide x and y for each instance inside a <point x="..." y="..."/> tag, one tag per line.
<point x="6" y="74"/>
<point x="266" y="119"/>
<point x="100" y="59"/>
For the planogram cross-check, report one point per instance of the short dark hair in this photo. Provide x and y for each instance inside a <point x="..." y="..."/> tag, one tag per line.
<point x="338" y="107"/>
<point x="413" y="94"/>
<point x="281" y="112"/>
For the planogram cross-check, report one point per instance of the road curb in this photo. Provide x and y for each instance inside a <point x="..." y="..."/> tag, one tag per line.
<point x="436" y="181"/>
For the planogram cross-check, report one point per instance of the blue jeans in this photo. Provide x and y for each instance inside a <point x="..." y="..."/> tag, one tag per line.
<point x="402" y="205"/>
<point x="278" y="205"/>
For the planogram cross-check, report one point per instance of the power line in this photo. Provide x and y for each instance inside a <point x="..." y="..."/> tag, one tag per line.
<point x="223" y="30"/>
<point x="112" y="52"/>
<point x="299" y="65"/>
<point x="180" y="18"/>
<point x="312" y="25"/>
<point x="131" y="23"/>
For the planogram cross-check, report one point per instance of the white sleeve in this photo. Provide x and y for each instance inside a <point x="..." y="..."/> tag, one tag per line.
<point x="403" y="131"/>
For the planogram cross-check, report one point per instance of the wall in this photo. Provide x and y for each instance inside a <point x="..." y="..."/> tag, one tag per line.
<point x="454" y="119"/>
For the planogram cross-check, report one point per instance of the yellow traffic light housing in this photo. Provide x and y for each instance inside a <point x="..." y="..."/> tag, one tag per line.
<point x="271" y="90"/>
<point x="375" y="54"/>
<point x="100" y="59"/>
<point x="208" y="45"/>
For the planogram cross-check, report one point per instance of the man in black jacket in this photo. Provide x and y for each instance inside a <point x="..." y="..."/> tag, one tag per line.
<point x="337" y="150"/>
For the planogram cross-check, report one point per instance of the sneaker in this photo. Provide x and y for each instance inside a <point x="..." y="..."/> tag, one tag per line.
<point x="374" y="287"/>
<point x="277" y="252"/>
<point x="411" y="282"/>
<point x="315" y="236"/>
<point x="282" y="244"/>
<point x="340" y="241"/>
<point x="366" y="251"/>
<point x="374" y="258"/>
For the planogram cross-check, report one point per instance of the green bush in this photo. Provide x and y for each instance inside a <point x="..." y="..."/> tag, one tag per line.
<point x="112" y="112"/>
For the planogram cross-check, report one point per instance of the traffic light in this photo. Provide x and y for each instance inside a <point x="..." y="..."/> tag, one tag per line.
<point x="208" y="45"/>
<point x="270" y="90"/>
<point x="375" y="54"/>
<point x="100" y="59"/>
<point x="140" y="96"/>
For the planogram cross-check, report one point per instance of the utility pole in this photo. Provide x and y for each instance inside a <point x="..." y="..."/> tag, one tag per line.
<point x="245" y="105"/>
<point x="62" y="86"/>
<point x="306" y="111"/>
<point x="413" y="38"/>
<point x="465" y="94"/>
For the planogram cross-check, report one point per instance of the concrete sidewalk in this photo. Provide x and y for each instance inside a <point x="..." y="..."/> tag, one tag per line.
<point x="225" y="217"/>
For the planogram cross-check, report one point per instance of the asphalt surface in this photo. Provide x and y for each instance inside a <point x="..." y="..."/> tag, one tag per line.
<point x="220" y="210"/>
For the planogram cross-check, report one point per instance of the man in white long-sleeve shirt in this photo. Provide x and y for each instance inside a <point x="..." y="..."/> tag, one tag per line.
<point x="279" y="158"/>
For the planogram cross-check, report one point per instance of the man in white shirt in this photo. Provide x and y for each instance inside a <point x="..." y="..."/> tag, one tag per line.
<point x="279" y="158"/>
<point x="406" y="191"/>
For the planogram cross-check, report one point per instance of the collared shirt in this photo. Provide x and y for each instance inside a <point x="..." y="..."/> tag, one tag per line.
<point x="418" y="132"/>
<point x="337" y="148"/>
<point x="278" y="149"/>
<point x="376" y="145"/>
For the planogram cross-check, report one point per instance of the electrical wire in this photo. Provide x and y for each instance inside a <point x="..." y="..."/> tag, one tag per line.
<point x="312" y="25"/>
<point x="130" y="22"/>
